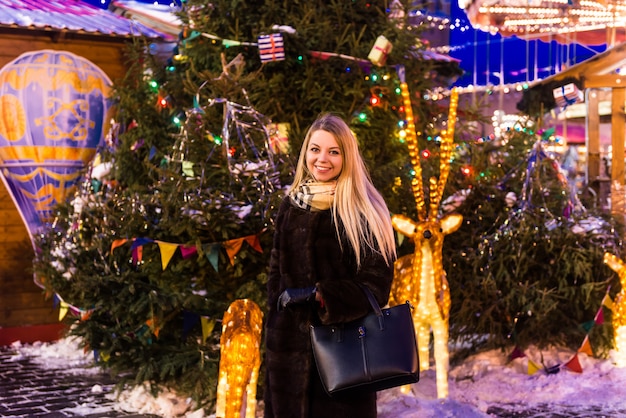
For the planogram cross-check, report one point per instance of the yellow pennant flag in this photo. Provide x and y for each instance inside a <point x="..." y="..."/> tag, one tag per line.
<point x="167" y="252"/>
<point x="105" y="356"/>
<point x="608" y="302"/>
<point x="533" y="367"/>
<point x="207" y="326"/>
<point x="586" y="347"/>
<point x="63" y="307"/>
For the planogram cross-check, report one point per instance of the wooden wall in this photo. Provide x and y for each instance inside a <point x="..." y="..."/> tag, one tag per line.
<point x="22" y="302"/>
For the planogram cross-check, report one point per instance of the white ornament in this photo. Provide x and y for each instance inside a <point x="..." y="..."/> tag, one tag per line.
<point x="510" y="199"/>
<point x="101" y="170"/>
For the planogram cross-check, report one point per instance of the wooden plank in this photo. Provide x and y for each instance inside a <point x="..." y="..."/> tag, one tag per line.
<point x="16" y="251"/>
<point x="604" y="80"/>
<point x="13" y="233"/>
<point x="618" y="132"/>
<point x="106" y="55"/>
<point x="24" y="283"/>
<point x="28" y="316"/>
<point x="593" y="137"/>
<point x="20" y="300"/>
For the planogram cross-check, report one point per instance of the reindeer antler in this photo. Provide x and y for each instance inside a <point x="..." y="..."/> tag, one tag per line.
<point x="411" y="140"/>
<point x="447" y="138"/>
<point x="445" y="153"/>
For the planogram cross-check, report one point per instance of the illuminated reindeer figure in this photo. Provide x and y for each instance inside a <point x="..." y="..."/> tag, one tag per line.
<point x="240" y="360"/>
<point x="420" y="277"/>
<point x="619" y="308"/>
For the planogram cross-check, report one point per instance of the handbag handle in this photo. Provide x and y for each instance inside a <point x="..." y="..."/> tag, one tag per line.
<point x="374" y="303"/>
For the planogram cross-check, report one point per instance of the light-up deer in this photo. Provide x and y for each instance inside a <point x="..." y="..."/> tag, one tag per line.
<point x="618" y="318"/>
<point x="420" y="277"/>
<point x="240" y="360"/>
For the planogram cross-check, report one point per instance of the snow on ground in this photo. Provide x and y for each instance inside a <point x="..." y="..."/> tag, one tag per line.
<point x="482" y="383"/>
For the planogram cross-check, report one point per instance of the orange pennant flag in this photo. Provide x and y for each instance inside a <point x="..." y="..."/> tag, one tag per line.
<point x="254" y="242"/>
<point x="586" y="347"/>
<point x="533" y="367"/>
<point x="85" y="315"/>
<point x="167" y="252"/>
<point x="232" y="248"/>
<point x="151" y="323"/>
<point x="117" y="243"/>
<point x="574" y="364"/>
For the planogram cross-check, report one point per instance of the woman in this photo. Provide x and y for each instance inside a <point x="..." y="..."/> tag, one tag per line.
<point x="333" y="231"/>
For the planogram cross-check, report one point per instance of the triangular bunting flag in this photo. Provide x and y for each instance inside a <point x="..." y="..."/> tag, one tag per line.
<point x="167" y="252"/>
<point x="207" y="326"/>
<point x="137" y="255"/>
<point x="140" y="242"/>
<point x="600" y="317"/>
<point x="586" y="347"/>
<point x="190" y="319"/>
<point x="188" y="250"/>
<point x="587" y="325"/>
<point x="153" y="327"/>
<point x="516" y="353"/>
<point x="232" y="248"/>
<point x="254" y="242"/>
<point x="574" y="364"/>
<point x="213" y="254"/>
<point x="63" y="310"/>
<point x="553" y="369"/>
<point x="117" y="243"/>
<point x="533" y="367"/>
<point x="608" y="302"/>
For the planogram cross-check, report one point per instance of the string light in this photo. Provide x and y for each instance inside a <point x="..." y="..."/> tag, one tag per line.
<point x="619" y="309"/>
<point x="419" y="277"/>
<point x="555" y="17"/>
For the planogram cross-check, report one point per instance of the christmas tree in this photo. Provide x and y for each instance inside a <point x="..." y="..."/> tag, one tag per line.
<point x="174" y="218"/>
<point x="527" y="263"/>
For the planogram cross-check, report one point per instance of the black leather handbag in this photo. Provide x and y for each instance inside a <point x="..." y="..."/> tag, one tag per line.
<point x="376" y="352"/>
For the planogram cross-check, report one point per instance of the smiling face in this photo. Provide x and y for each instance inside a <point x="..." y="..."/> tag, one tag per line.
<point x="323" y="156"/>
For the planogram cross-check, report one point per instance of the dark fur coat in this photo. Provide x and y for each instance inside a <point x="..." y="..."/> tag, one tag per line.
<point x="306" y="252"/>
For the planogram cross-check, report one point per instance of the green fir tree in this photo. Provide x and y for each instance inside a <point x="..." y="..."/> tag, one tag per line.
<point x="527" y="266"/>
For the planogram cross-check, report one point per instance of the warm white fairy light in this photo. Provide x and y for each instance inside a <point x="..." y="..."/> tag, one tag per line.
<point x="619" y="309"/>
<point x="419" y="277"/>
<point x="240" y="360"/>
<point x="546" y="17"/>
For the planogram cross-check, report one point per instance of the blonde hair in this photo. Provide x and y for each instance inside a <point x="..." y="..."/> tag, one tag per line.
<point x="357" y="204"/>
